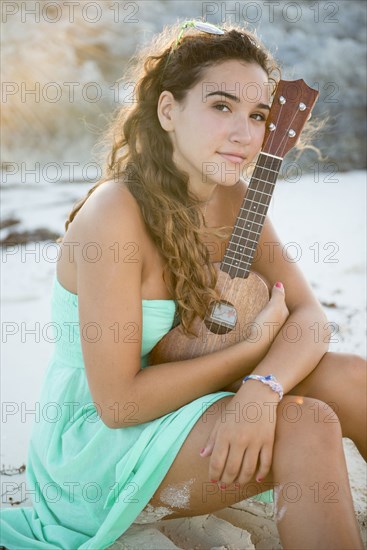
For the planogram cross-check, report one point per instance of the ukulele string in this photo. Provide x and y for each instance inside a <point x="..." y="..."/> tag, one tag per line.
<point x="236" y="245"/>
<point x="230" y="296"/>
<point x="228" y="280"/>
<point x="256" y="190"/>
<point x="278" y="152"/>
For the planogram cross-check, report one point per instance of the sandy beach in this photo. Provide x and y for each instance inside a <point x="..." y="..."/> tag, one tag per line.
<point x="321" y="225"/>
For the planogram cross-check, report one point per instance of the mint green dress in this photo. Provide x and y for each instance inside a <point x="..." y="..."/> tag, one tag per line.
<point x="89" y="482"/>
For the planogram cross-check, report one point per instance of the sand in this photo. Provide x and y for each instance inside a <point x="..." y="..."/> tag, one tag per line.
<point x="323" y="222"/>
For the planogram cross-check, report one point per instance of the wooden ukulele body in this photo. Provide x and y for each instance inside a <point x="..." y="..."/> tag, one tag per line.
<point x="231" y="322"/>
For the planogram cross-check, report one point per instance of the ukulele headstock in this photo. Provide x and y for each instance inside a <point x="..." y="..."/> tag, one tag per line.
<point x="291" y="108"/>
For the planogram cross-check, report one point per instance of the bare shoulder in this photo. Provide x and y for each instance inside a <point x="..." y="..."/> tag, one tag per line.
<point x="112" y="203"/>
<point x="111" y="217"/>
<point x="109" y="285"/>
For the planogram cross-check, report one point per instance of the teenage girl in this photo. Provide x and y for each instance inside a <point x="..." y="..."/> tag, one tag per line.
<point x="136" y="257"/>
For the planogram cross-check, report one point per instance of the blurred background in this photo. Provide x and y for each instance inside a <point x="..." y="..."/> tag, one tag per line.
<point x="63" y="69"/>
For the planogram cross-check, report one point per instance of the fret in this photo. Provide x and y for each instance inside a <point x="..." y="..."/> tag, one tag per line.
<point x="252" y="215"/>
<point x="244" y="237"/>
<point x="260" y="209"/>
<point x="230" y="264"/>
<point x="248" y="223"/>
<point x="258" y="191"/>
<point x="266" y="157"/>
<point x="238" y="231"/>
<point x="259" y="186"/>
<point x="257" y="202"/>
<point x="243" y="242"/>
<point x="238" y="253"/>
<point x="268" y="181"/>
<point x="239" y="239"/>
<point x="245" y="210"/>
<point x="266" y="175"/>
<point x="237" y="260"/>
<point x="235" y="255"/>
<point x="269" y="155"/>
<point x="267" y="169"/>
<point x="265" y="178"/>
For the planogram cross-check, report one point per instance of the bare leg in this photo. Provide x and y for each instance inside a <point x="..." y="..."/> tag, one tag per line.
<point x="313" y="501"/>
<point x="340" y="379"/>
<point x="308" y="455"/>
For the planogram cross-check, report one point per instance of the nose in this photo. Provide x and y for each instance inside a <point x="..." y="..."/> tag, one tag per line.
<point x="241" y="131"/>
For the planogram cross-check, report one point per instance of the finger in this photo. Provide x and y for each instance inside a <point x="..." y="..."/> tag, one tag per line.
<point x="209" y="445"/>
<point x="249" y="465"/>
<point x="278" y="291"/>
<point x="233" y="464"/>
<point x="266" y="458"/>
<point x="218" y="460"/>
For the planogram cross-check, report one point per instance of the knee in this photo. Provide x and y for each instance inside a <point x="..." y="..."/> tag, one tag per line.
<point x="357" y="367"/>
<point x="344" y="364"/>
<point x="308" y="419"/>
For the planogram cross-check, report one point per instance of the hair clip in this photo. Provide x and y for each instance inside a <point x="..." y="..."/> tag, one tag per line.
<point x="200" y="26"/>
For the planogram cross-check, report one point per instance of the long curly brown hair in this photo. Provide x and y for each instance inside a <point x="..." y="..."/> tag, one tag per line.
<point x="142" y="154"/>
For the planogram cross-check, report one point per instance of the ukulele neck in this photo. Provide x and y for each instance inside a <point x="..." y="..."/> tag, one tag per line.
<point x="242" y="245"/>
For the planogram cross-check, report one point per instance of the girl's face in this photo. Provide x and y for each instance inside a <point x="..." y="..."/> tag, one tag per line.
<point x="219" y="128"/>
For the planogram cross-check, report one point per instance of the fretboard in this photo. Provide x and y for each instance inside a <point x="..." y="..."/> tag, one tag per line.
<point x="242" y="245"/>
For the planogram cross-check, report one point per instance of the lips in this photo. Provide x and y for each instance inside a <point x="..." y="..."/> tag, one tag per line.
<point x="236" y="159"/>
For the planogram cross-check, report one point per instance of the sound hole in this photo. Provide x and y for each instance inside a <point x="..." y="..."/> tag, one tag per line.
<point x="222" y="317"/>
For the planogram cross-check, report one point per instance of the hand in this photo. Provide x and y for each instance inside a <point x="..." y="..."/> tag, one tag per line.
<point x="267" y="325"/>
<point x="243" y="437"/>
<point x="271" y="319"/>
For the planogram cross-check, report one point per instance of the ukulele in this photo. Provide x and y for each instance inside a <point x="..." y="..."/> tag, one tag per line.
<point x="243" y="293"/>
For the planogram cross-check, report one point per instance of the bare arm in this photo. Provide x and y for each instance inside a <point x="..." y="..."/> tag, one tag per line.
<point x="291" y="359"/>
<point x="162" y="388"/>
<point x="296" y="350"/>
<point x="109" y="299"/>
<point x="304" y="338"/>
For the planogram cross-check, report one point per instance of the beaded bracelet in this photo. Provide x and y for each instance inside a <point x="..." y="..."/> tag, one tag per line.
<point x="269" y="380"/>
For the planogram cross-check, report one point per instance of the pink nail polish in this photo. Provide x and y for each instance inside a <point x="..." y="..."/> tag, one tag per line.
<point x="213" y="481"/>
<point x="259" y="479"/>
<point x="279" y="284"/>
<point x="222" y="486"/>
<point x="202" y="451"/>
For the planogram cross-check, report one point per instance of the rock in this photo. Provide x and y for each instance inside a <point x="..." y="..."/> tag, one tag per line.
<point x="8" y="222"/>
<point x="23" y="237"/>
<point x="322" y="42"/>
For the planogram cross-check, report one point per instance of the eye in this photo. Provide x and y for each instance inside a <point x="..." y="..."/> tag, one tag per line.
<point x="260" y="117"/>
<point x="221" y="105"/>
